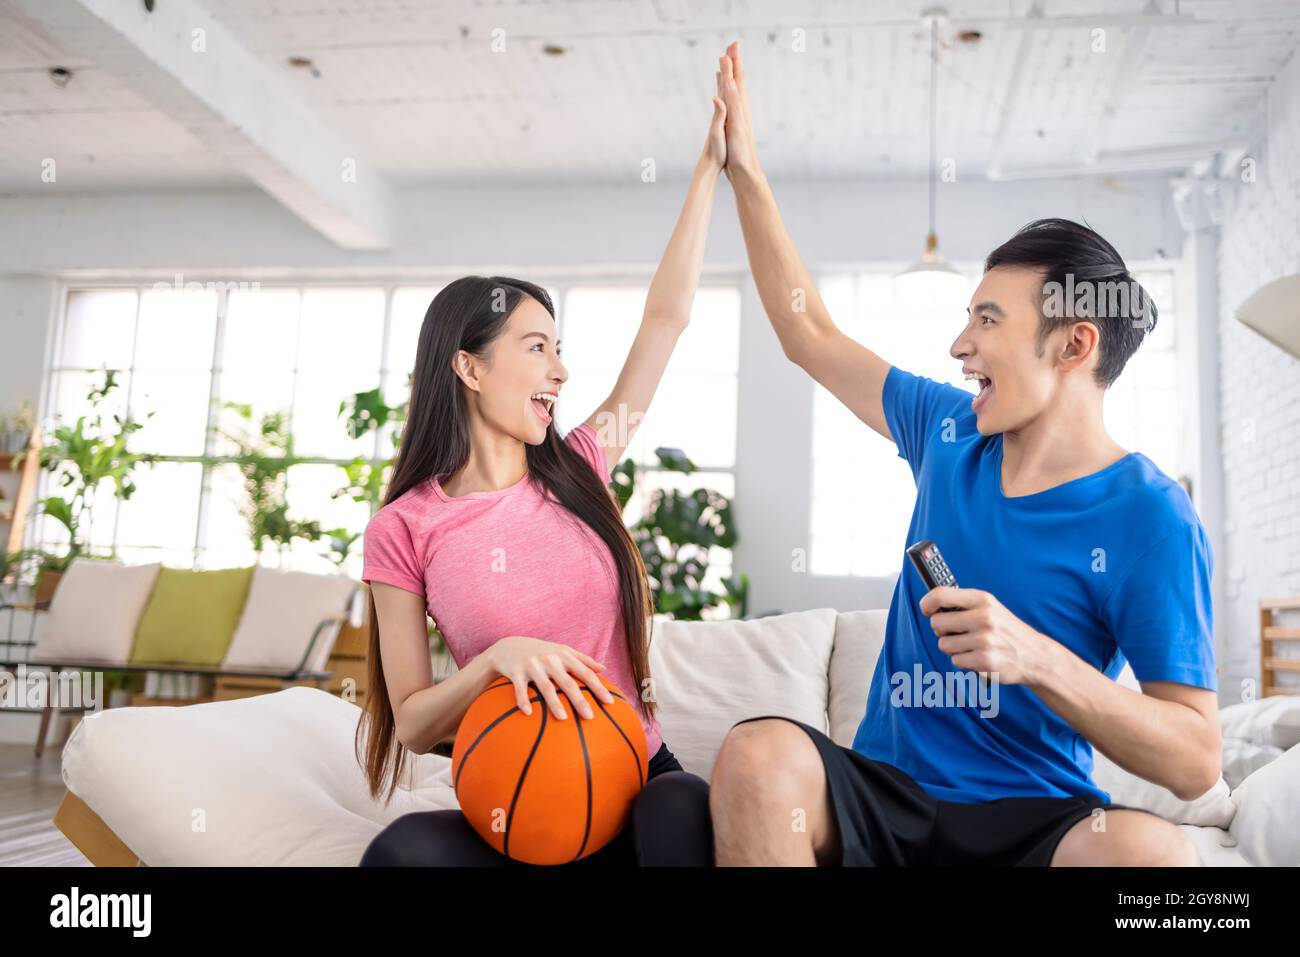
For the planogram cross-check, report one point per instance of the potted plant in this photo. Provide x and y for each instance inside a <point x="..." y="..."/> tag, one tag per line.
<point x="85" y="455"/>
<point x="264" y="454"/>
<point x="363" y="413"/>
<point x="16" y="568"/>
<point x="17" y="431"/>
<point x="121" y="685"/>
<point x="674" y="538"/>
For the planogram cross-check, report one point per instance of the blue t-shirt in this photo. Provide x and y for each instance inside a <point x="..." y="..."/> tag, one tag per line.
<point x="1114" y="565"/>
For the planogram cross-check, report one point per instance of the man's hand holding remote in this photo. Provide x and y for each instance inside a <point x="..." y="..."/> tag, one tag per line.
<point x="977" y="631"/>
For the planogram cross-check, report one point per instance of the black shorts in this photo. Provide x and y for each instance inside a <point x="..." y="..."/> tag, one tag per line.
<point x="886" y="819"/>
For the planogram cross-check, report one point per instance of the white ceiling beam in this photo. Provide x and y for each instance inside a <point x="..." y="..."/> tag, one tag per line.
<point x="1129" y="65"/>
<point x="195" y="70"/>
<point x="1015" y="83"/>
<point x="1126" y="161"/>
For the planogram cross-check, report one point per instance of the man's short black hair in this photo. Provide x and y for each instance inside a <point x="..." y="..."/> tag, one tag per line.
<point x="1083" y="278"/>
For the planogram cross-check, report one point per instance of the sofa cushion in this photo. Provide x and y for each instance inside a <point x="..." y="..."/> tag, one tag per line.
<point x="282" y="612"/>
<point x="267" y="780"/>
<point x="1267" y="827"/>
<point x="95" y="611"/>
<point x="192" y="616"/>
<point x="708" y="675"/>
<point x="859" y="636"/>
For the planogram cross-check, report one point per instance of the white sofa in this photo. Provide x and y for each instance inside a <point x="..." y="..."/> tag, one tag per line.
<point x="273" y="779"/>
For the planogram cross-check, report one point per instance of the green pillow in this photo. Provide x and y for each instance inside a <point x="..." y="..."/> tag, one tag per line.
<point x="191" y="616"/>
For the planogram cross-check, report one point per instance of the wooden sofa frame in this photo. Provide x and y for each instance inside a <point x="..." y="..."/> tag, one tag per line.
<point x="90" y="835"/>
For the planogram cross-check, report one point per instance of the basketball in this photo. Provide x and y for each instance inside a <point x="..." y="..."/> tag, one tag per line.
<point x="545" y="790"/>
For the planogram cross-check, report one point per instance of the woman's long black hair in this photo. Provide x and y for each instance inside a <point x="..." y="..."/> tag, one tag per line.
<point x="470" y="314"/>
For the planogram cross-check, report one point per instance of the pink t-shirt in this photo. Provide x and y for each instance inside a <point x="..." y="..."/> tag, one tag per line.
<point x="509" y="562"/>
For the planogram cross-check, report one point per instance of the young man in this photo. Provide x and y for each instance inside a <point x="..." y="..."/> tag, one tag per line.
<point x="1072" y="554"/>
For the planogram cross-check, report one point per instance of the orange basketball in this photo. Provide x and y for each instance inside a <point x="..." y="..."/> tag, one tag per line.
<point x="542" y="789"/>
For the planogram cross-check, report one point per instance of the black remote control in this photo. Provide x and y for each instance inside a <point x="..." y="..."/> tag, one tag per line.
<point x="934" y="571"/>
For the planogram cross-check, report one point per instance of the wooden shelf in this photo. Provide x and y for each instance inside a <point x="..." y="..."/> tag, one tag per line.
<point x="17" y="509"/>
<point x="1270" y="635"/>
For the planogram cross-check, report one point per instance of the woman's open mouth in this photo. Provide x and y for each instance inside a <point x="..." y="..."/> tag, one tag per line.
<point x="542" y="402"/>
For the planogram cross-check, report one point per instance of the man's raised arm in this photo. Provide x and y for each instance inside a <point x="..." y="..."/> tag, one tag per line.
<point x="852" y="373"/>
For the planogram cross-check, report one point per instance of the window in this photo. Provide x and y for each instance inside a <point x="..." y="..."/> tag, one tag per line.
<point x="694" y="408"/>
<point x="1142" y="411"/>
<point x="863" y="493"/>
<point x="181" y="354"/>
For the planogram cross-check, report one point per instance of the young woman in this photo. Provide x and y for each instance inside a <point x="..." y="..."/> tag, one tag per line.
<point x="508" y="537"/>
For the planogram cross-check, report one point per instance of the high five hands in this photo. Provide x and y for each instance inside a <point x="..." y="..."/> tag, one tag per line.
<point x="740" y="155"/>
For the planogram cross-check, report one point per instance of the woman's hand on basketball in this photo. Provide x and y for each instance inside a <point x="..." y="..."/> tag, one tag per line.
<point x="552" y="667"/>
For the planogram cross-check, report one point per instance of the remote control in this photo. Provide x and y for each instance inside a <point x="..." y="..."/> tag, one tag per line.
<point x="934" y="571"/>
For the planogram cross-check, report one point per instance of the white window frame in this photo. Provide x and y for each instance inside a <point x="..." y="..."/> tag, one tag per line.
<point x="557" y="282"/>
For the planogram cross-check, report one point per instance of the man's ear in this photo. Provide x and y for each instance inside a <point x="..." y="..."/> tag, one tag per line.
<point x="1082" y="341"/>
<point x="467" y="368"/>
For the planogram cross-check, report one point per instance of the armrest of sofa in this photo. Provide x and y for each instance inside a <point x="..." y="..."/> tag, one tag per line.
<point x="11" y="646"/>
<point x="335" y="621"/>
<point x="267" y="780"/>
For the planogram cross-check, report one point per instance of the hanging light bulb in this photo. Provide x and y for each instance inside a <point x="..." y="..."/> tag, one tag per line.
<point x="932" y="280"/>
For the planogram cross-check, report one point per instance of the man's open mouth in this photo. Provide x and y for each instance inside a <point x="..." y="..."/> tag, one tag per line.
<point x="986" y="389"/>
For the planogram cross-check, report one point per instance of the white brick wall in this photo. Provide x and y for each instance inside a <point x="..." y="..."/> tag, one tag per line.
<point x="1260" y="391"/>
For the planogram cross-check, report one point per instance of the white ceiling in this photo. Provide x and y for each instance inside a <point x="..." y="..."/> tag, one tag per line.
<point x="415" y="87"/>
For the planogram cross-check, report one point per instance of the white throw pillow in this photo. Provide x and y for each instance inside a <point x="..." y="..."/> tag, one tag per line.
<point x="859" y="636"/>
<point x="280" y="616"/>
<point x="1267" y="827"/>
<point x="708" y="675"/>
<point x="95" y="611"/>
<point x="1214" y="808"/>
<point x="1241" y="759"/>
<point x="1273" y="721"/>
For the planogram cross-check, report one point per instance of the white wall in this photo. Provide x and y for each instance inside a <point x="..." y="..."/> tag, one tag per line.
<point x="27" y="307"/>
<point x="1260" y="389"/>
<point x="533" y="230"/>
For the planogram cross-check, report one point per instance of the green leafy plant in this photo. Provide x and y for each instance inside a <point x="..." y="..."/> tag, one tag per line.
<point x="264" y="454"/>
<point x="17" y="574"/>
<point x="364" y="413"/>
<point x="340" y="542"/>
<point x="124" y="680"/>
<point x="368" y="412"/>
<point x="15" y="566"/>
<point x="674" y="538"/>
<point x="83" y="456"/>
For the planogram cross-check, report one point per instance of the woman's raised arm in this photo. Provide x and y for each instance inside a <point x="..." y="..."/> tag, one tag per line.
<point x="667" y="305"/>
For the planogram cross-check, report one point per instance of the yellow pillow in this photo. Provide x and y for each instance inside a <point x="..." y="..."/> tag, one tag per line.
<point x="191" y="616"/>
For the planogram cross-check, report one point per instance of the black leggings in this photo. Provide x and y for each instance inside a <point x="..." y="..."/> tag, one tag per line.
<point x="669" y="826"/>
